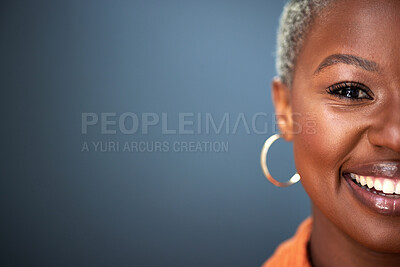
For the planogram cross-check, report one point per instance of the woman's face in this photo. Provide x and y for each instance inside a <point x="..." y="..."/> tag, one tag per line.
<point x="345" y="101"/>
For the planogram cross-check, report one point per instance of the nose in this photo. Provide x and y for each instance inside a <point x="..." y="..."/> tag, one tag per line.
<point x="385" y="132"/>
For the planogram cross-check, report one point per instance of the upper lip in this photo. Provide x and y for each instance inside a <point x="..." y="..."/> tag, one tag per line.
<point x="384" y="169"/>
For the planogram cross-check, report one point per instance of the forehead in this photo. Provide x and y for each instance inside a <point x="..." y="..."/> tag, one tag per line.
<point x="366" y="28"/>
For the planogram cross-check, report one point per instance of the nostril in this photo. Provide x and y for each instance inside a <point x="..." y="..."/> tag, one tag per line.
<point x="387" y="136"/>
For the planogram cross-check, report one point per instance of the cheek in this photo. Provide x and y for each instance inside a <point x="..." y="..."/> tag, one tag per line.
<point x="323" y="140"/>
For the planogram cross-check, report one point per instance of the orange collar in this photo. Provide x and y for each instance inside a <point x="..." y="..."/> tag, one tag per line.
<point x="293" y="252"/>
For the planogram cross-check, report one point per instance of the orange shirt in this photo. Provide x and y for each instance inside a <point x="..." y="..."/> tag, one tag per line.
<point x="293" y="252"/>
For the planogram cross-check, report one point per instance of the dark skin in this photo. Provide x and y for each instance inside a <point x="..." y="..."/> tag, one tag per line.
<point x="348" y="129"/>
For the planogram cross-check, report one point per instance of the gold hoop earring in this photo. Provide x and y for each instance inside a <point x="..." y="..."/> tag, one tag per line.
<point x="264" y="152"/>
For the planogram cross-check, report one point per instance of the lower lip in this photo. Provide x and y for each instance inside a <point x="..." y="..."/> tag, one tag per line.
<point x="380" y="204"/>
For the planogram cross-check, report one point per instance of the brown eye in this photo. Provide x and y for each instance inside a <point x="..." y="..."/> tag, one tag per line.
<point x="350" y="91"/>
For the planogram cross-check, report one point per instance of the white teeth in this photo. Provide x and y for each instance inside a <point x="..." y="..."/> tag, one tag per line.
<point x="388" y="186"/>
<point x="397" y="190"/>
<point x="378" y="184"/>
<point x="362" y="180"/>
<point x="370" y="182"/>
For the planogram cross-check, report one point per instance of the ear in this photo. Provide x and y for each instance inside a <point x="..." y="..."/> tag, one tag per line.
<point x="281" y="96"/>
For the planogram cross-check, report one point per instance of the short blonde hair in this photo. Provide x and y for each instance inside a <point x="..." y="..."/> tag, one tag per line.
<point x="295" y="22"/>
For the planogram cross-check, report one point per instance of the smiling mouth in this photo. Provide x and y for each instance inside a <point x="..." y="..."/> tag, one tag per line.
<point x="377" y="185"/>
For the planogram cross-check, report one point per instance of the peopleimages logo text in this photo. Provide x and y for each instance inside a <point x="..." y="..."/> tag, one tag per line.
<point x="183" y="123"/>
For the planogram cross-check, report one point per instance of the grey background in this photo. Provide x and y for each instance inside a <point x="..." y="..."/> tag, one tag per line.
<point x="64" y="207"/>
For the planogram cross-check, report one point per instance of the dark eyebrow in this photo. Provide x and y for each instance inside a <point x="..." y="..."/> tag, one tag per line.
<point x="349" y="60"/>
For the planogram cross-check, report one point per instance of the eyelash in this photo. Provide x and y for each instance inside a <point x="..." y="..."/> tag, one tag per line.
<point x="343" y="90"/>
